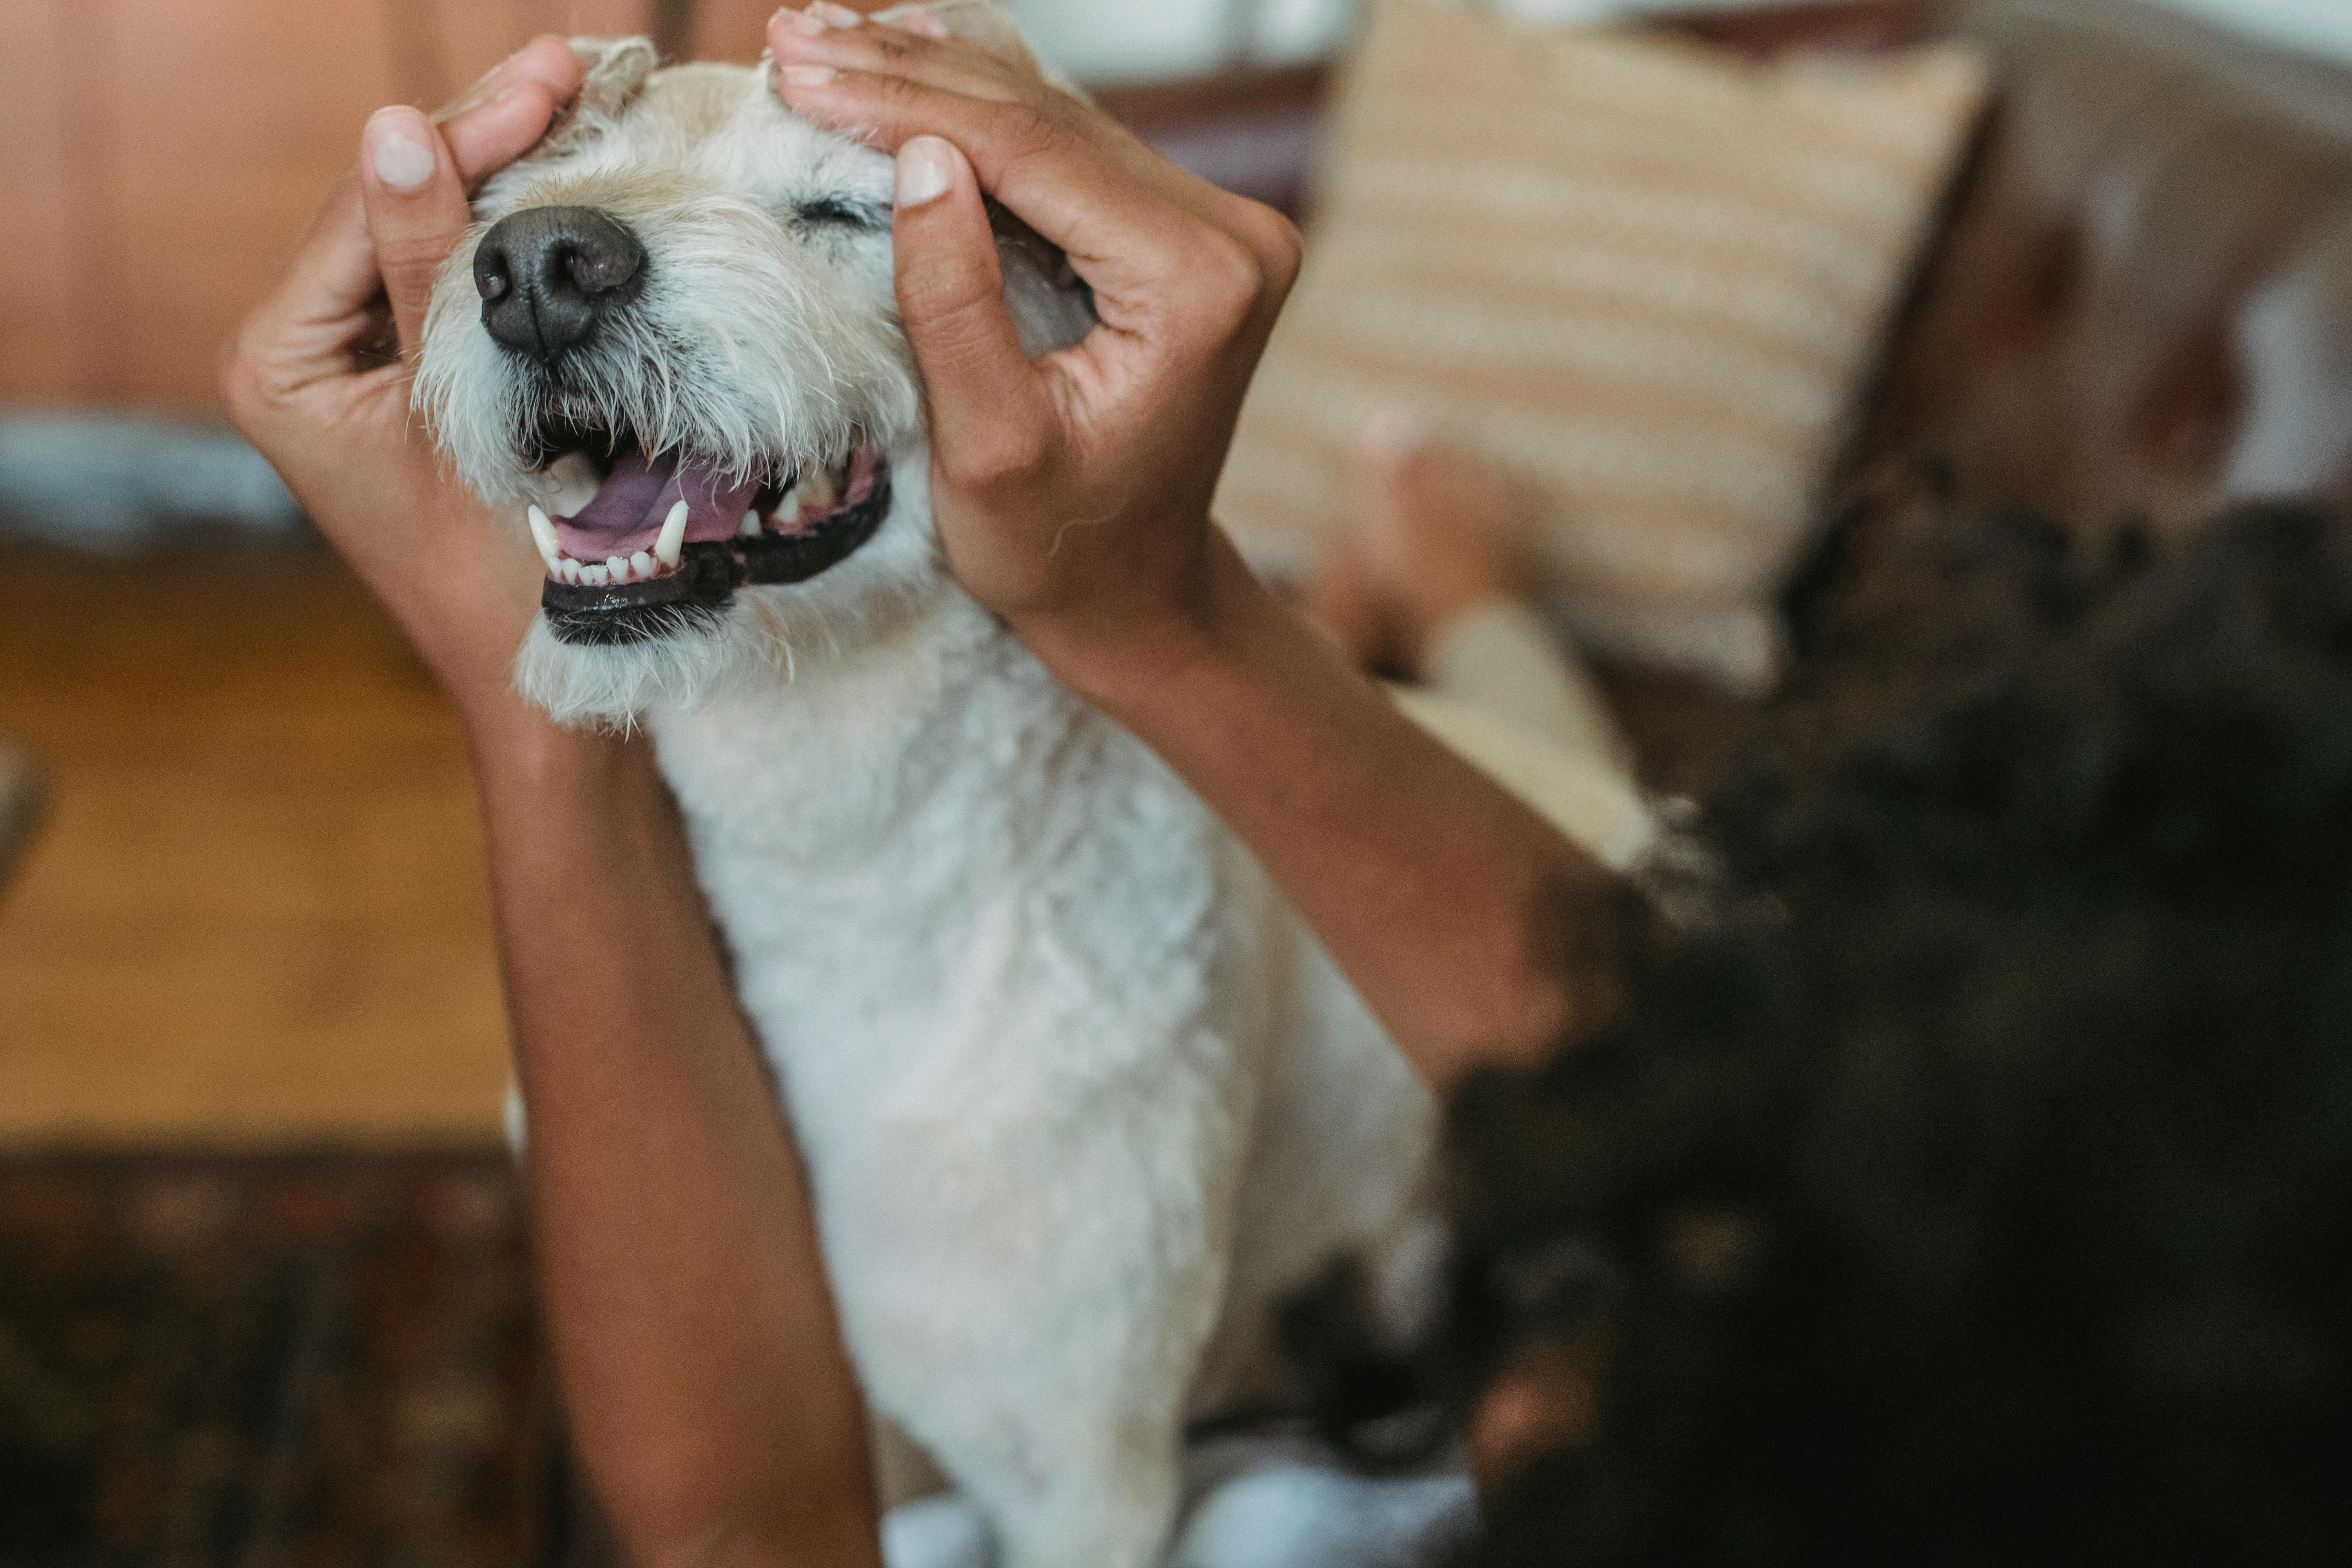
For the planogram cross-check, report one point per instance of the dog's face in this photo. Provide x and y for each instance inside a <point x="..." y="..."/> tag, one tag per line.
<point x="671" y="347"/>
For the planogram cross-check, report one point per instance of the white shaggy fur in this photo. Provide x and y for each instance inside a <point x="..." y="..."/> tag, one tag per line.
<point x="1081" y="1098"/>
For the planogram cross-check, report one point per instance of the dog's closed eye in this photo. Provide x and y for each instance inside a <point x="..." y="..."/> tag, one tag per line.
<point x="832" y="212"/>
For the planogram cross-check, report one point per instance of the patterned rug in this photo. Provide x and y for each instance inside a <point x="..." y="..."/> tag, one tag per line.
<point x="270" y="1364"/>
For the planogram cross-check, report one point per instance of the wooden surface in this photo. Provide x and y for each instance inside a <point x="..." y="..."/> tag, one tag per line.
<point x="256" y="914"/>
<point x="165" y="154"/>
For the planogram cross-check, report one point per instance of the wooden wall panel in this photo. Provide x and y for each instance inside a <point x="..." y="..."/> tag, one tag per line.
<point x="732" y="29"/>
<point x="224" y="125"/>
<point x="166" y="154"/>
<point x="462" y="38"/>
<point x="469" y="36"/>
<point x="598" y="18"/>
<point x="40" y="181"/>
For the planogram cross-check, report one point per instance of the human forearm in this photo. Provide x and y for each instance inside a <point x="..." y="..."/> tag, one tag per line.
<point x="689" y="1312"/>
<point x="686" y="1298"/>
<point x="1475" y="930"/>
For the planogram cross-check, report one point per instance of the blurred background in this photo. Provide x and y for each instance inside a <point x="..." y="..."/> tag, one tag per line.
<point x="263" y="1294"/>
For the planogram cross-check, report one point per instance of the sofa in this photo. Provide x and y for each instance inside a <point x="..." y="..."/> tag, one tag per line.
<point x="2137" y="308"/>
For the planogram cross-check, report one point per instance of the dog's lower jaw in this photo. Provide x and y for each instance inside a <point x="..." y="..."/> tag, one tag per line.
<point x="755" y="636"/>
<point x="1050" y="1043"/>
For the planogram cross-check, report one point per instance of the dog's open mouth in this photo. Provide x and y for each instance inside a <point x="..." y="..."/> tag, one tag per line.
<point x="639" y="545"/>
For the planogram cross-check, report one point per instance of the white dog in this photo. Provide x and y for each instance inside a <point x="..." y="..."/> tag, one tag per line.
<point x="1081" y="1097"/>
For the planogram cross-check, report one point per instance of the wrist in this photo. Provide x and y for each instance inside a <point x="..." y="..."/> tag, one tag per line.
<point x="518" y="751"/>
<point x="1124" y="665"/>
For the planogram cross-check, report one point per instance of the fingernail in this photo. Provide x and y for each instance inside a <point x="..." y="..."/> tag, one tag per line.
<point x="806" y="76"/>
<point x="808" y="22"/>
<point x="402" y="162"/>
<point x="838" y="15"/>
<point x="926" y="169"/>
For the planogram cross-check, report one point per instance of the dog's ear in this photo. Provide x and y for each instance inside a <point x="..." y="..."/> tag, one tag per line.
<point x="617" y="69"/>
<point x="1052" y="305"/>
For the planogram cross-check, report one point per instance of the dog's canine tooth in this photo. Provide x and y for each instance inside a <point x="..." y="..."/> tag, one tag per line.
<point x="672" y="539"/>
<point x="542" y="533"/>
<point x="749" y="528"/>
<point x="815" y="489"/>
<point x="788" y="511"/>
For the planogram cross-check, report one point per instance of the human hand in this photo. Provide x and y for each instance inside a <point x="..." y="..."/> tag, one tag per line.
<point x="1071" y="493"/>
<point x="318" y="378"/>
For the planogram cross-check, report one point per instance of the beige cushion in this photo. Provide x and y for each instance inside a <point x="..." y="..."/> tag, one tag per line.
<point x="1648" y="275"/>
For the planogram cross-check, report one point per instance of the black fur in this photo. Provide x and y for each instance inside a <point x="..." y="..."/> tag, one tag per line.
<point x="2023" y="1066"/>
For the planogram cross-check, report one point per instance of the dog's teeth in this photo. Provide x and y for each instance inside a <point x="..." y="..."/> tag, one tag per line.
<point x="616" y="569"/>
<point x="592" y="576"/>
<point x="788" y="511"/>
<point x="642" y="565"/>
<point x="542" y="533"/>
<point x="574" y="477"/>
<point x="816" y="489"/>
<point x="750" y="527"/>
<point x="570" y="569"/>
<point x="672" y="541"/>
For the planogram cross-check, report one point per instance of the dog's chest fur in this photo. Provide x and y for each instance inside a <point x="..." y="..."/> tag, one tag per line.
<point x="1020" y="985"/>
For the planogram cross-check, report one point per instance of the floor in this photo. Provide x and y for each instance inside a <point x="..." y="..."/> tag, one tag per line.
<point x="256" y="915"/>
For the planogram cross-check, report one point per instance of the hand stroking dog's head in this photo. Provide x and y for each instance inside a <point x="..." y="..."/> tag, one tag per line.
<point x="671" y="347"/>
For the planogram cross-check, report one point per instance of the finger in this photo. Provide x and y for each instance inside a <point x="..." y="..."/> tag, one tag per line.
<point x="416" y="210"/>
<point x="822" y="54"/>
<point x="814" y="38"/>
<point x="548" y="58"/>
<point x="952" y="298"/>
<point x="305" y="328"/>
<point x="1122" y="214"/>
<point x="512" y="107"/>
<point x="333" y="271"/>
<point x="864" y="79"/>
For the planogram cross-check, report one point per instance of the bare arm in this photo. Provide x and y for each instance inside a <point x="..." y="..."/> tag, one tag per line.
<point x="685" y="1296"/>
<point x="1472" y="928"/>
<point x="1072" y="495"/>
<point x="685" y="1300"/>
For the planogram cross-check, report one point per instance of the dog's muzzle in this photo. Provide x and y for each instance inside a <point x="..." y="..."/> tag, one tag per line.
<point x="654" y="546"/>
<point x="689" y="593"/>
<point x="641" y="542"/>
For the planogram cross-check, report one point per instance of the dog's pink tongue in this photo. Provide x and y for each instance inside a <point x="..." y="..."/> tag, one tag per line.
<point x="631" y="506"/>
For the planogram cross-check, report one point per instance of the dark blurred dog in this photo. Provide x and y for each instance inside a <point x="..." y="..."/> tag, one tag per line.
<point x="1979" y="1189"/>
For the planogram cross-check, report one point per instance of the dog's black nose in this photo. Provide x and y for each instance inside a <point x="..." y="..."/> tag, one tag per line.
<point x="546" y="275"/>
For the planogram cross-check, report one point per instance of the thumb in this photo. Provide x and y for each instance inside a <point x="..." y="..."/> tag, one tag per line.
<point x="416" y="210"/>
<point x="951" y="298"/>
